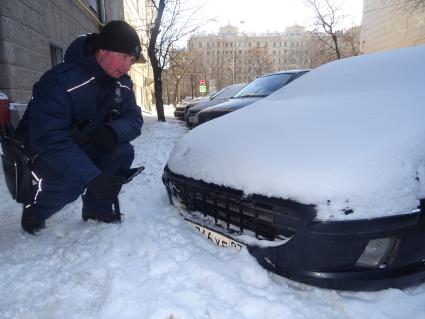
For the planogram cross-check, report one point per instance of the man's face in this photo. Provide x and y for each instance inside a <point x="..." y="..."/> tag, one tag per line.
<point x="114" y="63"/>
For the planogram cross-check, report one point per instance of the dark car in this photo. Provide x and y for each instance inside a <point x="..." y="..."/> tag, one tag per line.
<point x="222" y="96"/>
<point x="181" y="109"/>
<point x="327" y="186"/>
<point x="254" y="91"/>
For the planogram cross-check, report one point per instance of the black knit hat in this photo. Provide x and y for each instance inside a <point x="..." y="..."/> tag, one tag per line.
<point x="119" y="36"/>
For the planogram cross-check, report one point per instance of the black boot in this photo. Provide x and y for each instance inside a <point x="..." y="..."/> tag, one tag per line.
<point x="114" y="217"/>
<point x="31" y="224"/>
<point x="110" y="218"/>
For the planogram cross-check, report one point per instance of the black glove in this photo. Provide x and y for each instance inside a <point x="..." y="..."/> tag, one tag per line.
<point x="106" y="186"/>
<point x="103" y="137"/>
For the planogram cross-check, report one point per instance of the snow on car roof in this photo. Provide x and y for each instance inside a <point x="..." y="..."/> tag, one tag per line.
<point x="347" y="137"/>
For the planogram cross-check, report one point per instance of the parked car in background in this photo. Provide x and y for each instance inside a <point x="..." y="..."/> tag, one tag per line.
<point x="181" y="108"/>
<point x="222" y="96"/>
<point x="254" y="91"/>
<point x="324" y="180"/>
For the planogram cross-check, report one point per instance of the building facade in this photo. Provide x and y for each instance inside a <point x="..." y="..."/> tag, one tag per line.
<point x="232" y="57"/>
<point x="392" y="24"/>
<point x="34" y="35"/>
<point x="138" y="13"/>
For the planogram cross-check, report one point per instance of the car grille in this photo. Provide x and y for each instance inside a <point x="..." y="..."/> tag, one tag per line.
<point x="259" y="216"/>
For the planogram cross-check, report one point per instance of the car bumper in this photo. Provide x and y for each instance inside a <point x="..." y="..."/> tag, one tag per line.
<point x="324" y="254"/>
<point x="179" y="114"/>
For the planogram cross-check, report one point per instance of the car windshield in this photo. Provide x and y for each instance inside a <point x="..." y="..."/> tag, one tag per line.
<point x="228" y="92"/>
<point x="265" y="85"/>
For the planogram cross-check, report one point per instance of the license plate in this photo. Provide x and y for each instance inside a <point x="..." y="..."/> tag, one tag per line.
<point x="215" y="237"/>
<point x="192" y="119"/>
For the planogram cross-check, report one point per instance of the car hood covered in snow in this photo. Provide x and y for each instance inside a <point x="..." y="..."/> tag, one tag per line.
<point x="348" y="137"/>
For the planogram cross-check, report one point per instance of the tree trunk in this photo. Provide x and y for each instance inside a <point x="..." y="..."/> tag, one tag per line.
<point x="176" y="89"/>
<point x="156" y="67"/>
<point x="335" y="40"/>
<point x="158" y="91"/>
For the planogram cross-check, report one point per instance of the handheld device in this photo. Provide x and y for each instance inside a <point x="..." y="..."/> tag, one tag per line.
<point x="131" y="173"/>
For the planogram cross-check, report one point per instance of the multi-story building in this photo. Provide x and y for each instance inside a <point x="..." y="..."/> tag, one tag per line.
<point x="35" y="34"/>
<point x="232" y="57"/>
<point x="139" y="14"/>
<point x="392" y="24"/>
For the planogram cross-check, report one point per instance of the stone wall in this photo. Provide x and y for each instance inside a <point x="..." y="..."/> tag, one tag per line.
<point x="28" y="27"/>
<point x="391" y="25"/>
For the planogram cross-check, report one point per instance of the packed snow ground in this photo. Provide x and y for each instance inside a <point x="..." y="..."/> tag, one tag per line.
<point x="154" y="266"/>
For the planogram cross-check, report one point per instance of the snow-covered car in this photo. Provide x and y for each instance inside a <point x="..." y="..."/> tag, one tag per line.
<point x="222" y="96"/>
<point x="324" y="180"/>
<point x="252" y="92"/>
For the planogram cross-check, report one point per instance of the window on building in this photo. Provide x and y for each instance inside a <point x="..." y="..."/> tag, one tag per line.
<point x="56" y="54"/>
<point x="274" y="44"/>
<point x="97" y="8"/>
<point x="200" y="45"/>
<point x="208" y="45"/>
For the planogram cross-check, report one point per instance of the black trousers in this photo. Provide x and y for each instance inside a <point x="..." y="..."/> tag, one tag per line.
<point x="53" y="191"/>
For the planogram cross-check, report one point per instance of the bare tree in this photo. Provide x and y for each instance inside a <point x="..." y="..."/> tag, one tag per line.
<point x="180" y="64"/>
<point x="327" y="20"/>
<point x="259" y="60"/>
<point x="315" y="52"/>
<point x="351" y="41"/>
<point x="170" y="23"/>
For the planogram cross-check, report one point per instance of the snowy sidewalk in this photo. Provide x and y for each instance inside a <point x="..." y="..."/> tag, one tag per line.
<point x="154" y="266"/>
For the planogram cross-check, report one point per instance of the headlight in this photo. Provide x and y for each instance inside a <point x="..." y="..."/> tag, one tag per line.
<point x="378" y="253"/>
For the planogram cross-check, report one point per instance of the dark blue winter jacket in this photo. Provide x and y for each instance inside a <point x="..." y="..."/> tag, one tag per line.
<point x="68" y="103"/>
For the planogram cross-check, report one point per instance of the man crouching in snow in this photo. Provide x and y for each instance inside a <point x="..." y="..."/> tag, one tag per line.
<point x="78" y="125"/>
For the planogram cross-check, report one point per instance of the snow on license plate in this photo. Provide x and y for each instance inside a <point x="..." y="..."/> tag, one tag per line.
<point x="215" y="237"/>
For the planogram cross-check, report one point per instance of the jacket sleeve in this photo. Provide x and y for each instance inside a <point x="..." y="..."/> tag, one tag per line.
<point x="129" y="124"/>
<point x="49" y="131"/>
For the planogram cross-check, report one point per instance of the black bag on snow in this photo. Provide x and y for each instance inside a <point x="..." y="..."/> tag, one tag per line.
<point x="17" y="172"/>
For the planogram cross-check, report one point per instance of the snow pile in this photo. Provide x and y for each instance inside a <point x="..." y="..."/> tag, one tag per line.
<point x="348" y="135"/>
<point x="154" y="266"/>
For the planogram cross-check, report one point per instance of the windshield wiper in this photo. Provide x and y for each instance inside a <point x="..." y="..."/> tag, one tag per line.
<point x="252" y="95"/>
